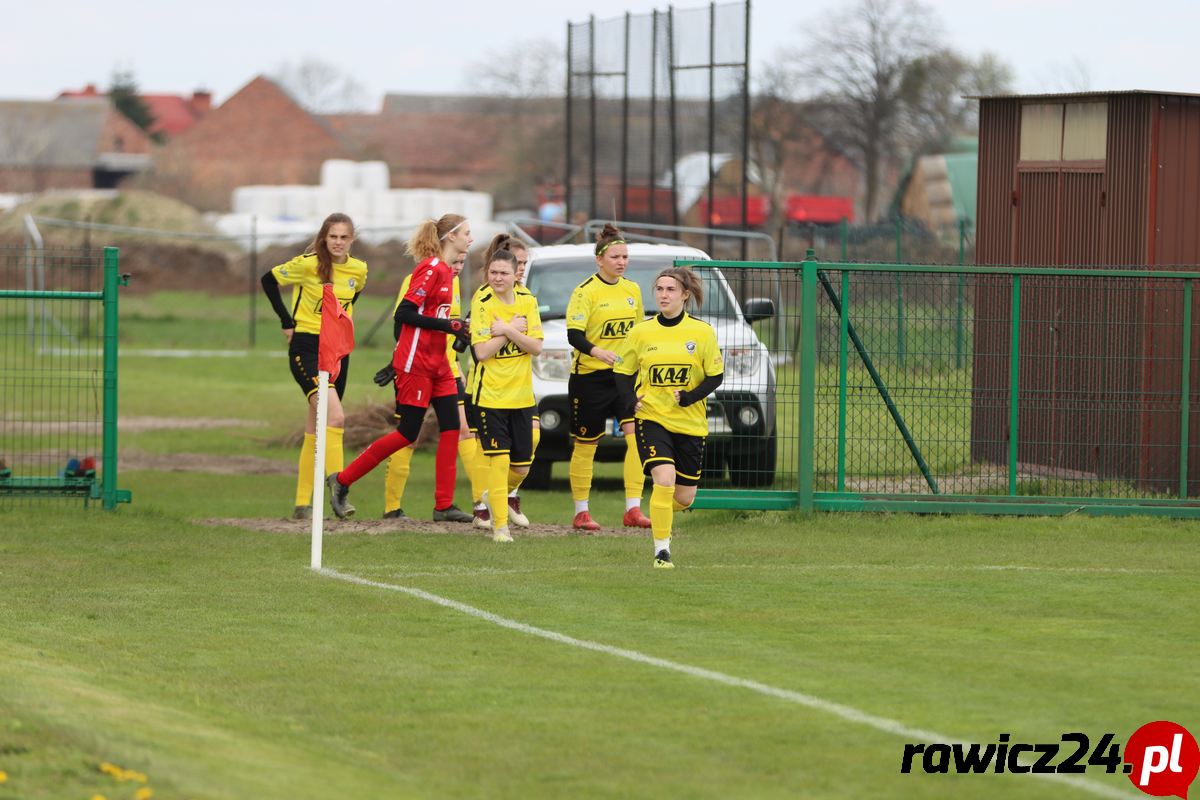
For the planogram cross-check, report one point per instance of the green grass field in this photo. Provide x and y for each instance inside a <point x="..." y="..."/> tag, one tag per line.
<point x="787" y="656"/>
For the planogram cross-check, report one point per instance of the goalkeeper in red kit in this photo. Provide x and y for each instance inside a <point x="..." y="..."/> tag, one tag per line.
<point x="419" y="367"/>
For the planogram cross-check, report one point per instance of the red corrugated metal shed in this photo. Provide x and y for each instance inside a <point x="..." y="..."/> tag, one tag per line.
<point x="1101" y="364"/>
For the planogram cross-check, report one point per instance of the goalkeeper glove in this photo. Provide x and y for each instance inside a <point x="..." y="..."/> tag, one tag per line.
<point x="386" y="375"/>
<point x="462" y="335"/>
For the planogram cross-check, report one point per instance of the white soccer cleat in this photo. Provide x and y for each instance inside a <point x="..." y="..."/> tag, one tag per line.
<point x="502" y="535"/>
<point x="514" y="513"/>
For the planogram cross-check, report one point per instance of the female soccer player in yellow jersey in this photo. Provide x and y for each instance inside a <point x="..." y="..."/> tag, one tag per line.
<point x="600" y="313"/>
<point x="328" y="260"/>
<point x="399" y="464"/>
<point x="506" y="334"/>
<point x="668" y="365"/>
<point x="478" y="470"/>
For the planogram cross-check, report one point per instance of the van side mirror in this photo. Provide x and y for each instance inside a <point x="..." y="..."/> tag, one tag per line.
<point x="757" y="308"/>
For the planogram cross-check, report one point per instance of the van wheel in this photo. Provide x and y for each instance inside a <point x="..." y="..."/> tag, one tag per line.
<point x="755" y="465"/>
<point x="539" y="474"/>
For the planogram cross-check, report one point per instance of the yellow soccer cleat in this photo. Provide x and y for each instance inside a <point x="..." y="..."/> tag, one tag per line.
<point x="502" y="535"/>
<point x="663" y="560"/>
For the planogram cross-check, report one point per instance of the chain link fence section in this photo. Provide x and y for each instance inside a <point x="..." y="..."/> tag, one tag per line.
<point x="58" y="354"/>
<point x="658" y="118"/>
<point x="997" y="390"/>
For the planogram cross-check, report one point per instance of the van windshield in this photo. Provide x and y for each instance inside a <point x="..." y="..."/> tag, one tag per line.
<point x="552" y="280"/>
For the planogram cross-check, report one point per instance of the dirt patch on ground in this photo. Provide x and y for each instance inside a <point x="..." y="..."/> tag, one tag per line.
<point x="203" y="462"/>
<point x="129" y="424"/>
<point x="378" y="527"/>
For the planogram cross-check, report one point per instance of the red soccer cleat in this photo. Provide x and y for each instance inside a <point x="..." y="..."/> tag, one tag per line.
<point x="634" y="518"/>
<point x="584" y="522"/>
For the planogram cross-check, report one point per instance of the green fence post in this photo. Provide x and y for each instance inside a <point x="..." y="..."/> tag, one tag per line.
<point x="958" y="308"/>
<point x="1013" y="376"/>
<point x="843" y="348"/>
<point x="108" y="484"/>
<point x="808" y="379"/>
<point x="900" y="343"/>
<point x="1185" y="389"/>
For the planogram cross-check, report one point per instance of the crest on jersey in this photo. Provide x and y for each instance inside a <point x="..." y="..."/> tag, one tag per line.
<point x="691" y="347"/>
<point x="283" y="272"/>
<point x="351" y="283"/>
<point x="630" y="301"/>
<point x="577" y="318"/>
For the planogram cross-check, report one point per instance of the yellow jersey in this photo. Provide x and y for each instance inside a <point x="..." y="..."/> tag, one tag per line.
<point x="605" y="312"/>
<point x="455" y="311"/>
<point x="666" y="358"/>
<point x="301" y="274"/>
<point x="506" y="379"/>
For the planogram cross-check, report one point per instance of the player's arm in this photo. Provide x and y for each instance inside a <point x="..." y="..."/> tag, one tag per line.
<point x="714" y="373"/>
<point x="625" y="374"/>
<point x="529" y="339"/>
<point x="579" y="309"/>
<point x="270" y="285"/>
<point x="485" y="342"/>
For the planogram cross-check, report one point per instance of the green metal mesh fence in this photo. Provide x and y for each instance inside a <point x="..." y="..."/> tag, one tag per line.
<point x="58" y="359"/>
<point x="974" y="388"/>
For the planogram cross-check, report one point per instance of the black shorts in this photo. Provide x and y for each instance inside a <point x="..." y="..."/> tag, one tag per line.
<point x="657" y="445"/>
<point x="594" y="399"/>
<point x="507" y="430"/>
<point x="302" y="358"/>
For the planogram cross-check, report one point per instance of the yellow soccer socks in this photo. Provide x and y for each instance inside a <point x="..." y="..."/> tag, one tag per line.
<point x="304" y="475"/>
<point x="582" y="458"/>
<point x="635" y="478"/>
<point x="335" y="459"/>
<point x="478" y="469"/>
<point x="398" y="469"/>
<point x="498" y="472"/>
<point x="661" y="500"/>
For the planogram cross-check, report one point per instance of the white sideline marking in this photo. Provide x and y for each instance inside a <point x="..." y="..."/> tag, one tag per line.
<point x="845" y="712"/>
<point x="478" y="571"/>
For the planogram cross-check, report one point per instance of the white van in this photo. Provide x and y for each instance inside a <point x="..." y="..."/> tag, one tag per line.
<point x="741" y="413"/>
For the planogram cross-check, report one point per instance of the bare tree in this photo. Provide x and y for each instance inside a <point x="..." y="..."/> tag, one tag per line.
<point x="321" y="87"/>
<point x="533" y="68"/>
<point x="529" y="82"/>
<point x="857" y="82"/>
<point x="934" y="94"/>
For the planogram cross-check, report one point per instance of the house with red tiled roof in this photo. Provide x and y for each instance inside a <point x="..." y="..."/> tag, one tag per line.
<point x="260" y="135"/>
<point x="77" y="144"/>
<point x="173" y="114"/>
<point x="451" y="141"/>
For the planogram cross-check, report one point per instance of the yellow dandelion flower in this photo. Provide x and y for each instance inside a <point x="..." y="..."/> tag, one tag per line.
<point x="99" y="797"/>
<point x="139" y="777"/>
<point x="3" y="776"/>
<point x="144" y="793"/>
<point x="110" y="769"/>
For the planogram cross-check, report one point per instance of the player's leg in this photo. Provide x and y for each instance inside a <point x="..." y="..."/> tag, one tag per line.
<point x="587" y="427"/>
<point x="520" y="459"/>
<point x="496" y="440"/>
<point x="409" y="391"/>
<point x="473" y="460"/>
<point x="656" y="448"/>
<point x="635" y="480"/>
<point x="302" y="360"/>
<point x="445" y="405"/>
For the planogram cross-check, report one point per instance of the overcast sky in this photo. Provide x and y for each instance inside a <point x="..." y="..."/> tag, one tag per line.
<point x="1053" y="45"/>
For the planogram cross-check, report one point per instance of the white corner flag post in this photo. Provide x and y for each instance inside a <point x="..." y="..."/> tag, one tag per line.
<point x="318" y="506"/>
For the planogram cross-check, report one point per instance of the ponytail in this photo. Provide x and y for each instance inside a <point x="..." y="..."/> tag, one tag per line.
<point x="426" y="241"/>
<point x="609" y="236"/>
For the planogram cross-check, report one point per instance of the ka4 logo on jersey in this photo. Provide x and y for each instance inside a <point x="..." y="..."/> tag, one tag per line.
<point x="671" y="375"/>
<point x="616" y="328"/>
<point x="510" y="350"/>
